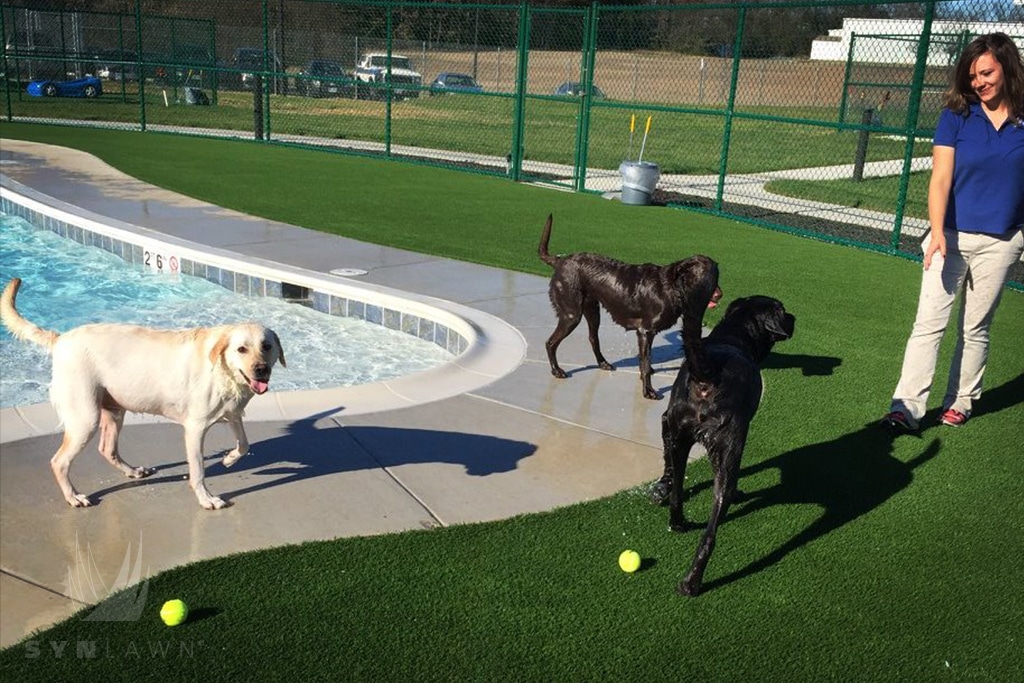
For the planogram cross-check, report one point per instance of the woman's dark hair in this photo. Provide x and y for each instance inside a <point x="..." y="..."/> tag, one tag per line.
<point x="1004" y="50"/>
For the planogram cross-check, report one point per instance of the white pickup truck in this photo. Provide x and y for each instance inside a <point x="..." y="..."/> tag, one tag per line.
<point x="372" y="68"/>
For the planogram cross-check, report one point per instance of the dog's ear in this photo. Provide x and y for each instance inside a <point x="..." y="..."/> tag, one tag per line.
<point x="697" y="276"/>
<point x="219" y="347"/>
<point x="280" y="349"/>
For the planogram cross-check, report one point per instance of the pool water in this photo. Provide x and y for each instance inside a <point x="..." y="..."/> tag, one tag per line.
<point x="66" y="284"/>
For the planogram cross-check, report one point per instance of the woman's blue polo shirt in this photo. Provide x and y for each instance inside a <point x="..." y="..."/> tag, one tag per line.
<point x="988" y="172"/>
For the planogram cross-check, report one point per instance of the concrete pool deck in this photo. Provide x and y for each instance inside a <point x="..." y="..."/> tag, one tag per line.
<point x="334" y="465"/>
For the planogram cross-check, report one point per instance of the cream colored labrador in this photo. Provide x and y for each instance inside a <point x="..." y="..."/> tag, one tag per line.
<point x="195" y="377"/>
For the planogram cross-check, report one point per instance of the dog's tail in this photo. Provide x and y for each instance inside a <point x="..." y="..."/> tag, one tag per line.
<point x="542" y="250"/>
<point x="19" y="327"/>
<point x="697" y="298"/>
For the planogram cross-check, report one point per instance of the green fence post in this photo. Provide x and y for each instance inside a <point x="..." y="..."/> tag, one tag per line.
<point x="172" y="71"/>
<point x="519" y="114"/>
<point x="63" y="42"/>
<point x="730" y="107"/>
<point x="263" y="83"/>
<point x="913" y="111"/>
<point x="843" y="101"/>
<point x="121" y="54"/>
<point x="141" y="67"/>
<point x="7" y="73"/>
<point x="387" y="84"/>
<point x="215" y="75"/>
<point x="587" y="79"/>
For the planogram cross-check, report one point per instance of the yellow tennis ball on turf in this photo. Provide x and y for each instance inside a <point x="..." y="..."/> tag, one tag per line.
<point x="629" y="561"/>
<point x="174" y="612"/>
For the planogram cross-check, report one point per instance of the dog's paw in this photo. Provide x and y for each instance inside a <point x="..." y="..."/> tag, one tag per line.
<point x="212" y="503"/>
<point x="659" y="493"/>
<point x="79" y="500"/>
<point x="559" y="373"/>
<point x="139" y="472"/>
<point x="233" y="457"/>
<point x="688" y="588"/>
<point x="680" y="525"/>
<point x="605" y="365"/>
<point x="651" y="394"/>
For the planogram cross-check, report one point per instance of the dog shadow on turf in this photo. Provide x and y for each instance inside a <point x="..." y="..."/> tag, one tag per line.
<point x="846" y="477"/>
<point x="668" y="358"/>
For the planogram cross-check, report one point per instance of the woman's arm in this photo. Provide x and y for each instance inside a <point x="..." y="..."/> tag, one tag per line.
<point x="938" y="199"/>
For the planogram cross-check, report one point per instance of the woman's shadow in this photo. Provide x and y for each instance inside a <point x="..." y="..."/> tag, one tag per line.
<point x="846" y="477"/>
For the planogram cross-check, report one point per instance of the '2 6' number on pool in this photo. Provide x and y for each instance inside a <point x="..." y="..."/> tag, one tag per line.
<point x="160" y="262"/>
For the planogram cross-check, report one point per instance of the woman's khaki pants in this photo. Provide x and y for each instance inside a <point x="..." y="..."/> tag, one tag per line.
<point x="976" y="265"/>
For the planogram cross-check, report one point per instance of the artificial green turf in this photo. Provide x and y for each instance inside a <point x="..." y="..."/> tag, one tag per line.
<point x="858" y="558"/>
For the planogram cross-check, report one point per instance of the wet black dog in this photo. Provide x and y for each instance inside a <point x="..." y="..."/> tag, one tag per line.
<point x="713" y="400"/>
<point x="647" y="298"/>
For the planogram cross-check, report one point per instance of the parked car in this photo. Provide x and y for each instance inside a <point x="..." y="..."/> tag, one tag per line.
<point x="372" y="69"/>
<point x="246" y="61"/>
<point x="324" y="78"/>
<point x="575" y="89"/>
<point x="449" y="81"/>
<point x="89" y="86"/>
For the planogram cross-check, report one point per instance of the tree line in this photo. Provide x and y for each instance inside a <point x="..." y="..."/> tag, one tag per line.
<point x="675" y="25"/>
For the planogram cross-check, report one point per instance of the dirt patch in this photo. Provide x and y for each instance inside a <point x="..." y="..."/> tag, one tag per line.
<point x="662" y="77"/>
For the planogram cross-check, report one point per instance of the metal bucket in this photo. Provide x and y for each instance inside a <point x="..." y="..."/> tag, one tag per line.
<point x="639" y="179"/>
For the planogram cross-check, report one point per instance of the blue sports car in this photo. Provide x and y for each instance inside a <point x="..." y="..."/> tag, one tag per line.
<point x="89" y="86"/>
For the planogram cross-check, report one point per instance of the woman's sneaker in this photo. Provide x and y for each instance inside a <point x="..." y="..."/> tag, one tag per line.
<point x="953" y="418"/>
<point x="897" y="421"/>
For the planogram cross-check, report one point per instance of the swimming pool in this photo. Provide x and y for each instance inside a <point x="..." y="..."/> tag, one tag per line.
<point x="66" y="284"/>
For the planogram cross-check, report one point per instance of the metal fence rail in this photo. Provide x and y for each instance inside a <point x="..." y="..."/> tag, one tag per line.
<point x="772" y="112"/>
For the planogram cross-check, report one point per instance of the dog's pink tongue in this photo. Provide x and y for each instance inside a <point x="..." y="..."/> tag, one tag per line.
<point x="259" y="386"/>
<point x="712" y="304"/>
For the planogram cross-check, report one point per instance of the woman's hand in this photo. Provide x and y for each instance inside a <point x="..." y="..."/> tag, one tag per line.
<point x="937" y="244"/>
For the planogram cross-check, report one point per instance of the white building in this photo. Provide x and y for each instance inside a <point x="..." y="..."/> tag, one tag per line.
<point x="882" y="40"/>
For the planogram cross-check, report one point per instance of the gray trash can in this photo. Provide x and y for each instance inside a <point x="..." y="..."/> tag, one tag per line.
<point x="639" y="179"/>
<point x="196" y="96"/>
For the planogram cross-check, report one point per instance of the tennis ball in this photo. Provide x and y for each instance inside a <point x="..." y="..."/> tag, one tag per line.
<point x="174" y="612"/>
<point x="629" y="561"/>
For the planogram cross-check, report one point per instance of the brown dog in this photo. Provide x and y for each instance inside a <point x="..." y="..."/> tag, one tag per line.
<point x="194" y="377"/>
<point x="647" y="298"/>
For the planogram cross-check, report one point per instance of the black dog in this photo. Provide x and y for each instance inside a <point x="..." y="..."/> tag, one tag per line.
<point x="647" y="298"/>
<point x="713" y="400"/>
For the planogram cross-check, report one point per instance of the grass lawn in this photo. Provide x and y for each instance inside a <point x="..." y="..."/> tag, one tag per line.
<point x="877" y="194"/>
<point x="680" y="141"/>
<point x="857" y="557"/>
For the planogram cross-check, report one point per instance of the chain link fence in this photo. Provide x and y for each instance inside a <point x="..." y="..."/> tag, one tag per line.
<point x="811" y="117"/>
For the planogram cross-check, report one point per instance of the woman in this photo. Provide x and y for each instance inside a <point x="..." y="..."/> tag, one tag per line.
<point x="976" y="213"/>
